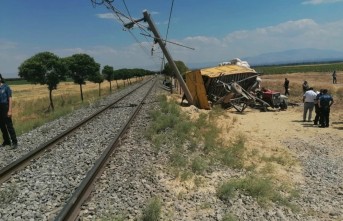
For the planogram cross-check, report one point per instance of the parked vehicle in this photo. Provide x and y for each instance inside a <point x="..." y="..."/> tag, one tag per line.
<point x="274" y="99"/>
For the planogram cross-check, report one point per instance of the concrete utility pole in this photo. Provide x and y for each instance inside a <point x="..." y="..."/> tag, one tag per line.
<point x="158" y="38"/>
<point x="168" y="56"/>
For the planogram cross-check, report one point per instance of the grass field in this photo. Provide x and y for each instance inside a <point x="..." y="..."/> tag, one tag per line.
<point x="31" y="102"/>
<point x="303" y="68"/>
<point x="317" y="80"/>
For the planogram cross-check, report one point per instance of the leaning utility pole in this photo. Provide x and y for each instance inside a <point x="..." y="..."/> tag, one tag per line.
<point x="168" y="56"/>
<point x="158" y="38"/>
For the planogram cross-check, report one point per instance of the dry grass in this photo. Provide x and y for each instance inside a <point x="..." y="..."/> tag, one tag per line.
<point x="28" y="92"/>
<point x="263" y="156"/>
<point x="316" y="80"/>
<point x="31" y="102"/>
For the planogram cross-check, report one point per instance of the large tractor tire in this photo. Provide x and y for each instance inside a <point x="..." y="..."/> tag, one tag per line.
<point x="236" y="88"/>
<point x="284" y="105"/>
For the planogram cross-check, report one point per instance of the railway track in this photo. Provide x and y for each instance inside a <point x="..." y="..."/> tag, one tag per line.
<point x="63" y="168"/>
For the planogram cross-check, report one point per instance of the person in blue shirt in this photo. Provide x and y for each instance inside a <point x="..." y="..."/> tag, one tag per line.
<point x="325" y="102"/>
<point x="316" y="107"/>
<point x="6" y="125"/>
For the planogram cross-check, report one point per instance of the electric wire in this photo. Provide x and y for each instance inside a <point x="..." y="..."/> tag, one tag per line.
<point x="119" y="14"/>
<point x="170" y="13"/>
<point x="128" y="12"/>
<point x="140" y="27"/>
<point x="108" y="4"/>
<point x="169" y="42"/>
<point x="165" y="41"/>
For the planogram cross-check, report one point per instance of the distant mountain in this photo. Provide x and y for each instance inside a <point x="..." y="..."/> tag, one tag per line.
<point x="295" y="56"/>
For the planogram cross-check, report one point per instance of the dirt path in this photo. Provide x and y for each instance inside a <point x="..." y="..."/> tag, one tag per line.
<point x="280" y="125"/>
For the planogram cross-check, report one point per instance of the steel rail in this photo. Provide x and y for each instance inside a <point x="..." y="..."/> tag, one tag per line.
<point x="23" y="161"/>
<point x="71" y="209"/>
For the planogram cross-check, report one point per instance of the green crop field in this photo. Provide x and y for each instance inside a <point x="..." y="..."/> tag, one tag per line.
<point x="301" y="68"/>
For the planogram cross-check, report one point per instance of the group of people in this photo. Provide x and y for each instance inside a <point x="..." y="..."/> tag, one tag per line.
<point x="321" y="101"/>
<point x="305" y="85"/>
<point x="6" y="124"/>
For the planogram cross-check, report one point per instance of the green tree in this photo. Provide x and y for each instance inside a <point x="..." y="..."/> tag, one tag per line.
<point x="81" y="67"/>
<point x="44" y="68"/>
<point x="97" y="78"/>
<point x="108" y="74"/>
<point x="168" y="70"/>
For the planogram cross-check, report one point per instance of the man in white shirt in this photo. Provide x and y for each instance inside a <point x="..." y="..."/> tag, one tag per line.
<point x="309" y="98"/>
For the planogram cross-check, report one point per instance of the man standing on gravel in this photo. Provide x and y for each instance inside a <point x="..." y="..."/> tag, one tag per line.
<point x="6" y="124"/>
<point x="325" y="102"/>
<point x="308" y="99"/>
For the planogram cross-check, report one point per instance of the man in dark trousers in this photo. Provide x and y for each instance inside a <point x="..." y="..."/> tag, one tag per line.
<point x="325" y="102"/>
<point x="316" y="107"/>
<point x="286" y="86"/>
<point x="6" y="124"/>
<point x="334" y="77"/>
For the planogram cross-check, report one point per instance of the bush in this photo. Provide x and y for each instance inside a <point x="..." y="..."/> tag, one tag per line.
<point x="153" y="210"/>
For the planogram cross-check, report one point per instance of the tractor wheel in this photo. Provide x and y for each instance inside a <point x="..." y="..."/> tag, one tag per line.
<point x="236" y="88"/>
<point x="264" y="108"/>
<point x="283" y="105"/>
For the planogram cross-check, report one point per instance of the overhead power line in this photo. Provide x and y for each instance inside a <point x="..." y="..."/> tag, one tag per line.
<point x="169" y="42"/>
<point x="136" y="22"/>
<point x="170" y="13"/>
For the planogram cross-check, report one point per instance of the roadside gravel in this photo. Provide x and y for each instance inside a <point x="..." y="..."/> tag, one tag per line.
<point x="136" y="174"/>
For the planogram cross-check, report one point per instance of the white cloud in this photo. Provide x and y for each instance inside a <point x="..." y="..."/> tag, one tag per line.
<point x="304" y="33"/>
<point x="120" y="19"/>
<point x="106" y="16"/>
<point x="129" y="57"/>
<point x="5" y="45"/>
<point x="318" y="2"/>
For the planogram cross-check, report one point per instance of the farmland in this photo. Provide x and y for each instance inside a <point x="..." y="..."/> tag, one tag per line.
<point x="31" y="101"/>
<point x="301" y="68"/>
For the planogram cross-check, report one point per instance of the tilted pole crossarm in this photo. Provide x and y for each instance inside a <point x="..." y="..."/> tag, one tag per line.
<point x="168" y="56"/>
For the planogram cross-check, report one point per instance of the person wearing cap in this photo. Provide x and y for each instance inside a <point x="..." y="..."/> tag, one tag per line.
<point x="6" y="124"/>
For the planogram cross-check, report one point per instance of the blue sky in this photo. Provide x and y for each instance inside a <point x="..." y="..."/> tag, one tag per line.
<point x="218" y="30"/>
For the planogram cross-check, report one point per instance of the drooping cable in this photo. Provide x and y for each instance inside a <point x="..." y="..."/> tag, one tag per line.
<point x="168" y="41"/>
<point x="108" y="4"/>
<point x="119" y="14"/>
<point x="170" y="13"/>
<point x="128" y="12"/>
<point x="165" y="41"/>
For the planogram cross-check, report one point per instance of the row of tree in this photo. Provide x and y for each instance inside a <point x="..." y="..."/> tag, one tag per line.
<point x="46" y="68"/>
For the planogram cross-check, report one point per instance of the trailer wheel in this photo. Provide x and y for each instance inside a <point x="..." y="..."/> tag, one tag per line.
<point x="236" y="88"/>
<point x="283" y="105"/>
